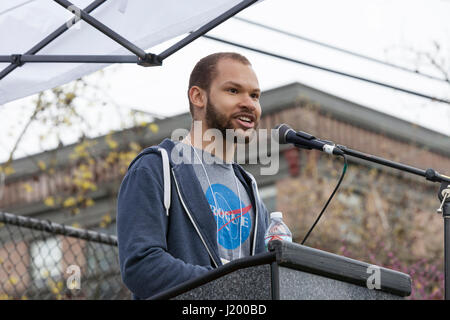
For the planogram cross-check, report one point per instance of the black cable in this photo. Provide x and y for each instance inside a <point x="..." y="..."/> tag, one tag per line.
<point x="352" y="53"/>
<point x="271" y="54"/>
<point x="329" y="199"/>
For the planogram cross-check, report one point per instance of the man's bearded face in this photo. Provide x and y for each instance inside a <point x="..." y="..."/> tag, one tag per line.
<point x="219" y="120"/>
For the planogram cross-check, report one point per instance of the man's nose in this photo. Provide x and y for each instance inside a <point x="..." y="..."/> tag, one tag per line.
<point x="249" y="102"/>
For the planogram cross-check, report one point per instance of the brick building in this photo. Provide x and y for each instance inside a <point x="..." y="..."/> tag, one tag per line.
<point x="372" y="201"/>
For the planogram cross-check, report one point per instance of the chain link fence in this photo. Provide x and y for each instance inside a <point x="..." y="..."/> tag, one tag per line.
<point x="43" y="260"/>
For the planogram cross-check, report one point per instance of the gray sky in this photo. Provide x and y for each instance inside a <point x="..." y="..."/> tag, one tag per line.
<point x="383" y="29"/>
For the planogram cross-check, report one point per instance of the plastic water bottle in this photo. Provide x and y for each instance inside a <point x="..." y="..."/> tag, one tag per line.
<point x="277" y="229"/>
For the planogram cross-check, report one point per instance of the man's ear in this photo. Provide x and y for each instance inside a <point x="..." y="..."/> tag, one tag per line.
<point x="197" y="96"/>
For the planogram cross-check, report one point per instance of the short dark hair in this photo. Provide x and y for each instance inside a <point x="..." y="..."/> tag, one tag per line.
<point x="205" y="71"/>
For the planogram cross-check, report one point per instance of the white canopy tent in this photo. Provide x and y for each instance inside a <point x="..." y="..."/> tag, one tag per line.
<point x="73" y="39"/>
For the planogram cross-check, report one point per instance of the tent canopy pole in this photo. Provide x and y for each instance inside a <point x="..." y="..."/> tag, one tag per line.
<point x="142" y="58"/>
<point x="47" y="40"/>
<point x="207" y="27"/>
<point x="103" y="28"/>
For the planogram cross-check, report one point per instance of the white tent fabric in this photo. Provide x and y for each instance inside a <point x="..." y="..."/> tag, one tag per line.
<point x="145" y="23"/>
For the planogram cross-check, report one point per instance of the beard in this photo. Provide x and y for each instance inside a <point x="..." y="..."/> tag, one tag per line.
<point x="217" y="120"/>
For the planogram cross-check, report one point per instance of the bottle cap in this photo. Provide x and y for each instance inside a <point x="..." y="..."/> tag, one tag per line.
<point x="276" y="214"/>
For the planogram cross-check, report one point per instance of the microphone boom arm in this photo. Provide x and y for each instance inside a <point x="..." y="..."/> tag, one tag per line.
<point x="304" y="140"/>
<point x="429" y="174"/>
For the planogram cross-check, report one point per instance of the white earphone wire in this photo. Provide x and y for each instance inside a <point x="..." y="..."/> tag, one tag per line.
<point x="215" y="201"/>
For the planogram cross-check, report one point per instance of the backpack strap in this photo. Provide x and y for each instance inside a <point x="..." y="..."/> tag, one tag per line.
<point x="166" y="176"/>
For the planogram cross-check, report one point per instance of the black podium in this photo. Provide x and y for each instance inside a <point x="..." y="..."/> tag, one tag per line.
<point x="292" y="271"/>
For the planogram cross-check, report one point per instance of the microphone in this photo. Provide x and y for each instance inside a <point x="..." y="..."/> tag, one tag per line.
<point x="304" y="140"/>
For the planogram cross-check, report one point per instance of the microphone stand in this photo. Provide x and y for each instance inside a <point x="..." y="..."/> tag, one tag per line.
<point x="444" y="198"/>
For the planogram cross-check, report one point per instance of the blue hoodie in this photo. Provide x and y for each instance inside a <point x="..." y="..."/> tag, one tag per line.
<point x="161" y="248"/>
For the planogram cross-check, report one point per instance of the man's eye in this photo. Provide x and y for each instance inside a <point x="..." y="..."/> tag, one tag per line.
<point x="233" y="90"/>
<point x="255" y="96"/>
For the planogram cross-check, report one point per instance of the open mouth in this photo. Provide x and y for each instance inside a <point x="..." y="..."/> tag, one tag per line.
<point x="246" y="121"/>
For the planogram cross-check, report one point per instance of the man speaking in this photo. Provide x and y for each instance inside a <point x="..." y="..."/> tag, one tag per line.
<point x="185" y="207"/>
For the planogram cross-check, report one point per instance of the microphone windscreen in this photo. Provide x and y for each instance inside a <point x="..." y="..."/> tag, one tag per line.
<point x="282" y="129"/>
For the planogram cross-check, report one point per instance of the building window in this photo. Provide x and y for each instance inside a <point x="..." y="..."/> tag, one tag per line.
<point x="268" y="195"/>
<point x="46" y="258"/>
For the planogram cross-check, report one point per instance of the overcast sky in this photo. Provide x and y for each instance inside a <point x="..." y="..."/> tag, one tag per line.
<point x="383" y="29"/>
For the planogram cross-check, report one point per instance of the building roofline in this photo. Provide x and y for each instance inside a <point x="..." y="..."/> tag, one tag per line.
<point x="356" y="114"/>
<point x="272" y="101"/>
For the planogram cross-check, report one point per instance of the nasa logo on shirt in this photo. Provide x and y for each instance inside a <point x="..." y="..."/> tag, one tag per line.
<point x="229" y="214"/>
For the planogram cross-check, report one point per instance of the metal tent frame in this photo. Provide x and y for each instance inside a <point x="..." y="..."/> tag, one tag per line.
<point x="140" y="57"/>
